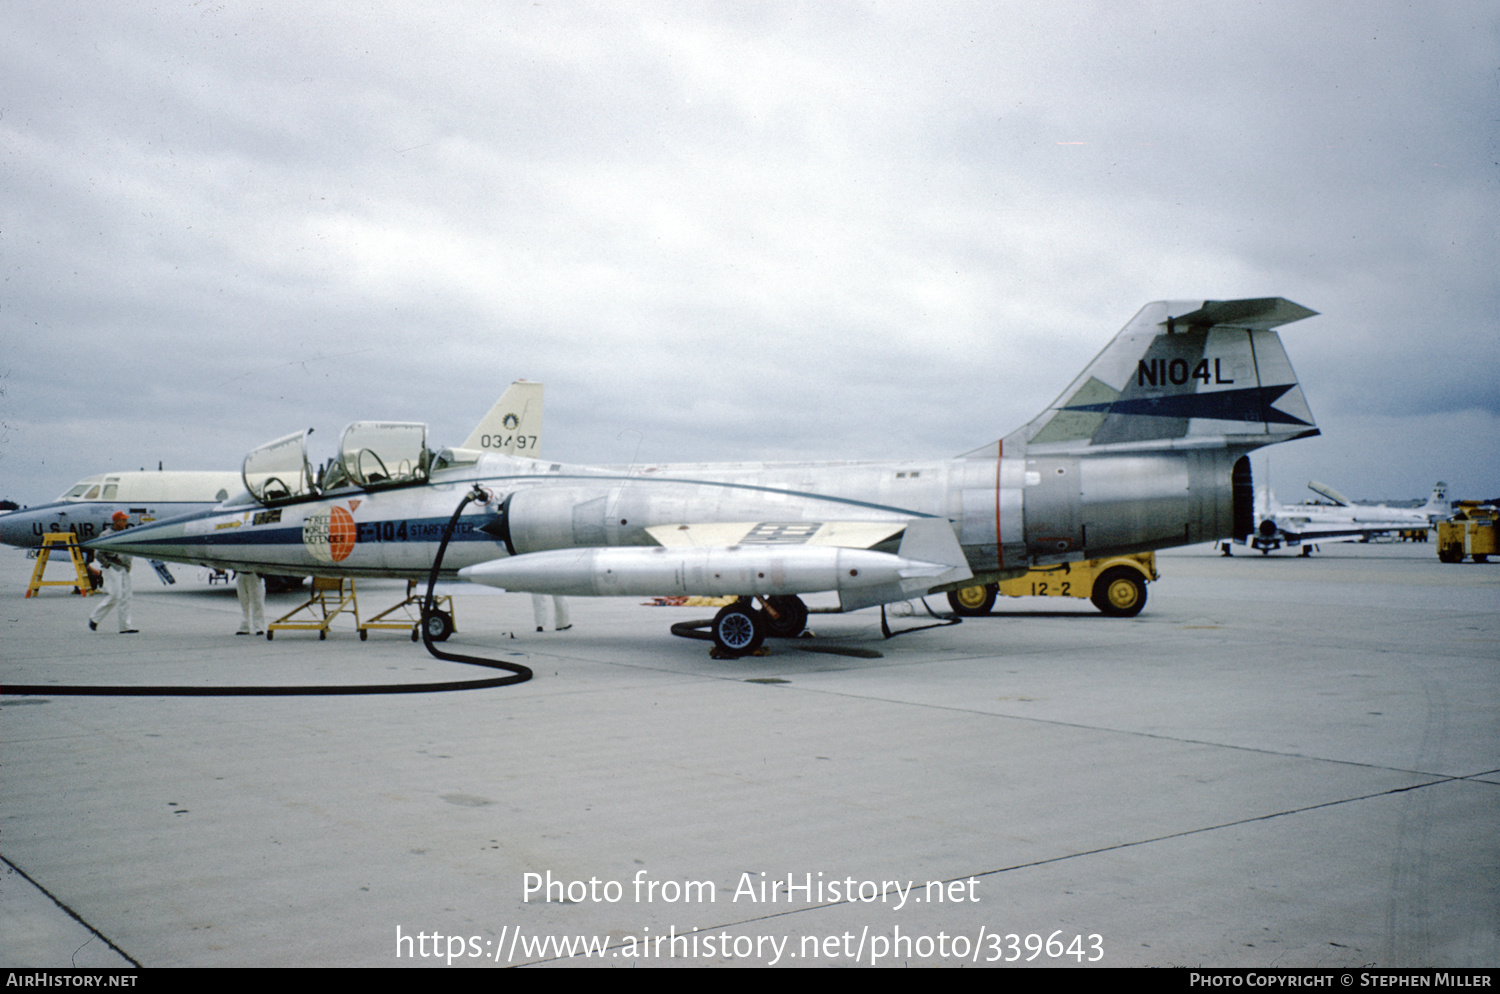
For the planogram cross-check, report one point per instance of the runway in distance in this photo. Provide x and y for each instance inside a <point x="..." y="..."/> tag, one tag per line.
<point x="1304" y="525"/>
<point x="1146" y="449"/>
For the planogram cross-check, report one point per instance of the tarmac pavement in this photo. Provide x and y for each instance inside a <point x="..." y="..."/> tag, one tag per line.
<point x="1281" y="762"/>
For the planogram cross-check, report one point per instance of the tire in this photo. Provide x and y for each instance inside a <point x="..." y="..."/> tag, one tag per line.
<point x="1481" y="557"/>
<point x="1450" y="553"/>
<point x="972" y="602"/>
<point x="364" y="635"/>
<point x="1119" y="592"/>
<point x="439" y="625"/>
<point x="738" y="630"/>
<point x="793" y="618"/>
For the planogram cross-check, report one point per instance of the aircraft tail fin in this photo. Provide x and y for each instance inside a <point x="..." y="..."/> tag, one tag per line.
<point x="1439" y="499"/>
<point x="1266" y="503"/>
<point x="514" y="424"/>
<point x="1180" y="374"/>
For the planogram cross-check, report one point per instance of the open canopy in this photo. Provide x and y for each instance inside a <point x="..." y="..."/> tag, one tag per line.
<point x="380" y="454"/>
<point x="278" y="471"/>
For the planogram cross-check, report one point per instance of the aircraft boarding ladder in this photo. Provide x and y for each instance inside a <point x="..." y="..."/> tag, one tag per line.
<point x="80" y="583"/>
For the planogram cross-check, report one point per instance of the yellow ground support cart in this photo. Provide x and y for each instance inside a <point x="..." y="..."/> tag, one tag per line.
<point x="331" y="597"/>
<point x="1116" y="585"/>
<point x="1471" y="532"/>
<point x="407" y="616"/>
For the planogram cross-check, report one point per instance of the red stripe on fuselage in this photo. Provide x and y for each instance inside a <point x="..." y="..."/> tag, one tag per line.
<point x="999" y="547"/>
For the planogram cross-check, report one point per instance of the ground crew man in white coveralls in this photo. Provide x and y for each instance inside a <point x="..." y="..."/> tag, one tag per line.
<point x="117" y="591"/>
<point x="560" y="613"/>
<point x="251" y="590"/>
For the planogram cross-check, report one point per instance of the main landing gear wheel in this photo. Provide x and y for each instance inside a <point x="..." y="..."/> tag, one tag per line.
<point x="738" y="629"/>
<point x="439" y="625"/>
<point x="792" y="616"/>
<point x="1119" y="592"/>
<point x="971" y="602"/>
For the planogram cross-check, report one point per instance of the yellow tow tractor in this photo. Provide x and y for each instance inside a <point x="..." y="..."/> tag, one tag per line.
<point x="1116" y="585"/>
<point x="1471" y="532"/>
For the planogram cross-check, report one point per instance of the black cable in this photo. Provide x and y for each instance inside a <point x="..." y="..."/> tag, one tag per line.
<point x="429" y="605"/>
<point x="520" y="674"/>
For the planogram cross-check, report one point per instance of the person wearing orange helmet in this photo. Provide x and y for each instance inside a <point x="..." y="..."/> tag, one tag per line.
<point x="116" y="583"/>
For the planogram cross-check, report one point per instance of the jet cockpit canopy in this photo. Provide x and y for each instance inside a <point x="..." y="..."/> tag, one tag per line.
<point x="380" y="454"/>
<point x="278" y="471"/>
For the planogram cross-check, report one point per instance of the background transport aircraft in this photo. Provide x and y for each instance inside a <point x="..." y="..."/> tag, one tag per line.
<point x="88" y="505"/>
<point x="1146" y="449"/>
<point x="1292" y="525"/>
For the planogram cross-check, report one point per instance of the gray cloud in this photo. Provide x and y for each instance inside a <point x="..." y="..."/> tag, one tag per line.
<point x="720" y="232"/>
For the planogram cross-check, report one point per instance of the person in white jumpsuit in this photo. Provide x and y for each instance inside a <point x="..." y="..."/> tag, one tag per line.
<point x="117" y="591"/>
<point x="560" y="613"/>
<point x="251" y="591"/>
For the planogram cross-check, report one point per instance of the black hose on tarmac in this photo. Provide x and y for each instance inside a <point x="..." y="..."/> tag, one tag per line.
<point x="429" y="605"/>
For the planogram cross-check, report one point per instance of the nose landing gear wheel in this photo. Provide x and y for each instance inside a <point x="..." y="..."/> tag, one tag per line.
<point x="439" y="625"/>
<point x="738" y="630"/>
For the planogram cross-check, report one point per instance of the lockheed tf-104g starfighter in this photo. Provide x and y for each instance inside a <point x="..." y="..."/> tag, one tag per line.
<point x="1145" y="450"/>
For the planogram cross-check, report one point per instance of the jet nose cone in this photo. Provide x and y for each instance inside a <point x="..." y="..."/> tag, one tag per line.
<point x="24" y="528"/>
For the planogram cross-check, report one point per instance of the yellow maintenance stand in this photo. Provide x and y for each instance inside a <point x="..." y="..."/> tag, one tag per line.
<point x="1116" y="585"/>
<point x="69" y="541"/>
<point x="1471" y="532"/>
<point x="439" y="622"/>
<point x="331" y="597"/>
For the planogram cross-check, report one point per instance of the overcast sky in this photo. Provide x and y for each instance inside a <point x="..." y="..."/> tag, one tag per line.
<point x="733" y="230"/>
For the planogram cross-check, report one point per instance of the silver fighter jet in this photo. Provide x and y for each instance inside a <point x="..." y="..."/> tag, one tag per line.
<point x="1146" y="449"/>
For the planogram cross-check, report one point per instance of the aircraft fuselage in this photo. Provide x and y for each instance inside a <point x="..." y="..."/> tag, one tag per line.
<point x="1006" y="513"/>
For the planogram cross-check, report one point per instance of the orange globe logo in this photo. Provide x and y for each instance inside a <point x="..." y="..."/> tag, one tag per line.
<point x="341" y="532"/>
<point x="329" y="535"/>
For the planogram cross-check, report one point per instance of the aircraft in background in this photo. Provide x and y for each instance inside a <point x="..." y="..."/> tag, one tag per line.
<point x="1147" y="449"/>
<point x="87" y="507"/>
<point x="1293" y="525"/>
